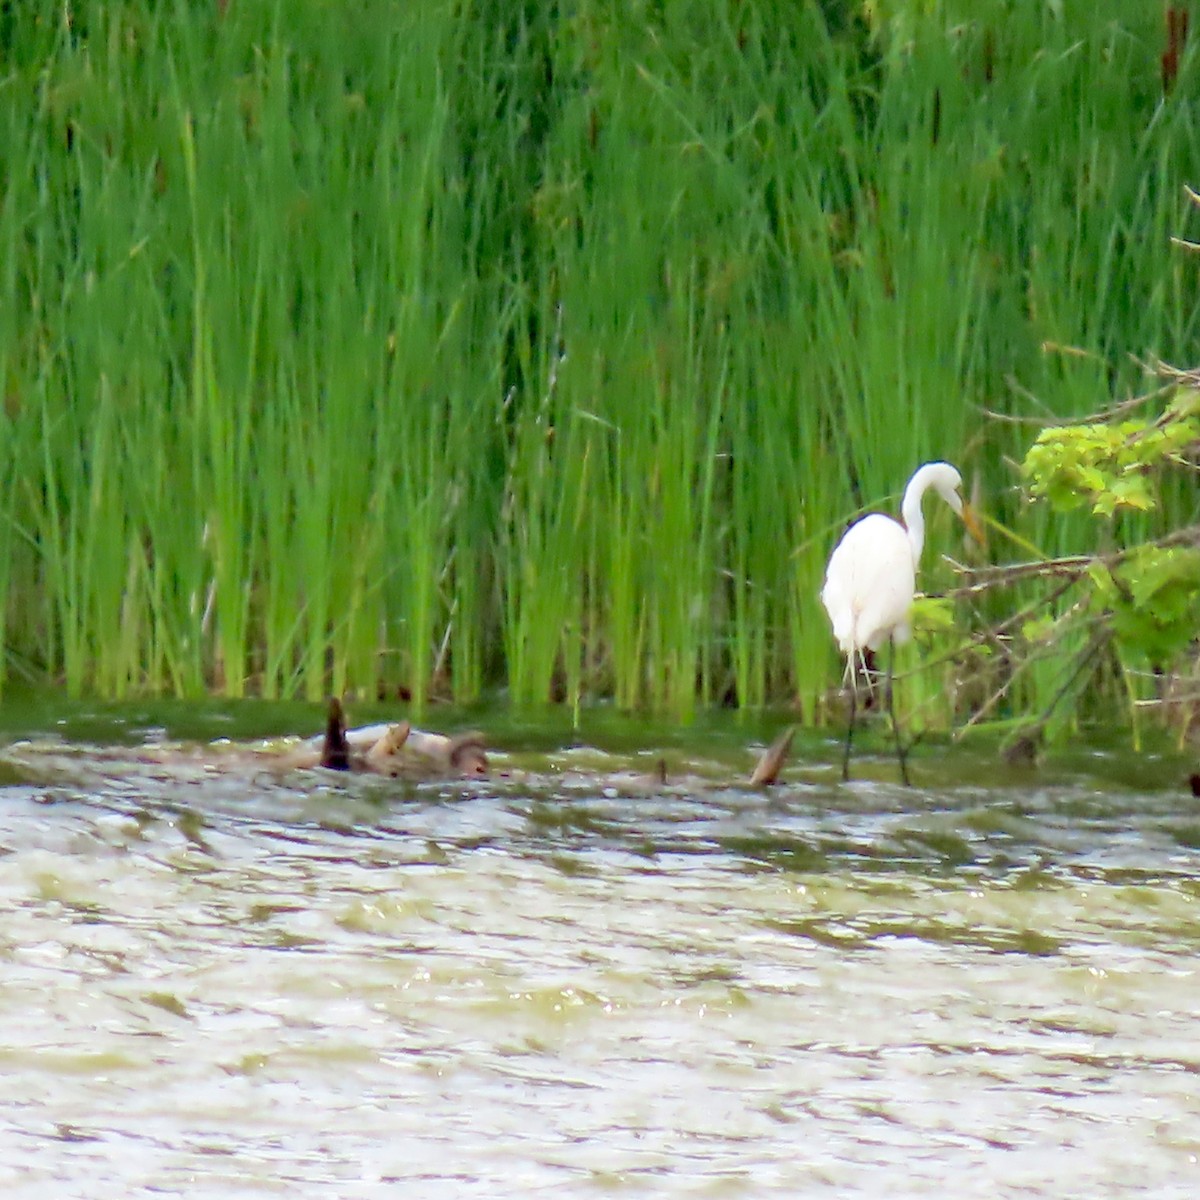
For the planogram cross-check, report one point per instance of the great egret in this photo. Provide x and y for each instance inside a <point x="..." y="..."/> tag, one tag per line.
<point x="871" y="579"/>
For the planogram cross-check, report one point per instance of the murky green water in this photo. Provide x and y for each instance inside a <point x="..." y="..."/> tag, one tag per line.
<point x="567" y="981"/>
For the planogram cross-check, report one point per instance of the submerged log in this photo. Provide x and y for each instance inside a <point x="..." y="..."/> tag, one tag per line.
<point x="399" y="751"/>
<point x="396" y="749"/>
<point x="335" y="750"/>
<point x="340" y="749"/>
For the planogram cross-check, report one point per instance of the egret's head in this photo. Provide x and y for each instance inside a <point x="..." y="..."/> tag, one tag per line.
<point x="944" y="479"/>
<point x="948" y="483"/>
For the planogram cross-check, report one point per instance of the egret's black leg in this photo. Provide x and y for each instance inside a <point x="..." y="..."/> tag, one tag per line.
<point x="891" y="703"/>
<point x="850" y="727"/>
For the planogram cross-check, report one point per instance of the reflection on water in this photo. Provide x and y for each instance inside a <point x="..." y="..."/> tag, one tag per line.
<point x="571" y="981"/>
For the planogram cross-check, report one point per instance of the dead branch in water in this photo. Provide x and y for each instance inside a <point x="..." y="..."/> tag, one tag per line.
<point x="772" y="760"/>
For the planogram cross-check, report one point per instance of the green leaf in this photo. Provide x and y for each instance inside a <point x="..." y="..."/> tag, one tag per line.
<point x="1130" y="491"/>
<point x="1155" y="601"/>
<point x="1185" y="403"/>
<point x="1038" y="629"/>
<point x="931" y="614"/>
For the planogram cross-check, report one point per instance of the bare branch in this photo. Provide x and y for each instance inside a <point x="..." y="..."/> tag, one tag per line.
<point x="979" y="579"/>
<point x="1100" y="415"/>
<point x="982" y="578"/>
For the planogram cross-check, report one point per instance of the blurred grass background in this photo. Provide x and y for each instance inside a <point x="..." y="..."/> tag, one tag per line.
<point x="546" y="348"/>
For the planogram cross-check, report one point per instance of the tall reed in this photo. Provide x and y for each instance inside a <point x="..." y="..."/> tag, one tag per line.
<point x="446" y="349"/>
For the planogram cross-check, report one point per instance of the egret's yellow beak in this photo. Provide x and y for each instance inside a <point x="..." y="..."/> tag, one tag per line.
<point x="974" y="527"/>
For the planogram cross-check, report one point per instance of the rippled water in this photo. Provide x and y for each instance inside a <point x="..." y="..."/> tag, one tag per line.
<point x="569" y="981"/>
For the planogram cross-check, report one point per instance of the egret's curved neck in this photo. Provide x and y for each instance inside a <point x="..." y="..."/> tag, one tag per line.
<point x="910" y="508"/>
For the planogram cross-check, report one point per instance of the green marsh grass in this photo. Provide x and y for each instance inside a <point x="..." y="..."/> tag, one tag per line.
<point x="440" y="351"/>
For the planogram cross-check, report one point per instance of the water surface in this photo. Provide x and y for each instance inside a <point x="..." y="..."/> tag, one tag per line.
<point x="570" y="980"/>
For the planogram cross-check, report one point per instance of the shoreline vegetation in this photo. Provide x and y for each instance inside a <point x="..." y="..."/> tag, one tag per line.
<point x="546" y="350"/>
